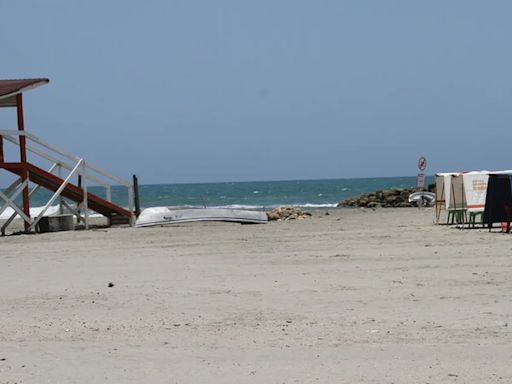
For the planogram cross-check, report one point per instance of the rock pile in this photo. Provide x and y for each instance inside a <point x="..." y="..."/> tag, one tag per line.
<point x="397" y="197"/>
<point x="287" y="213"/>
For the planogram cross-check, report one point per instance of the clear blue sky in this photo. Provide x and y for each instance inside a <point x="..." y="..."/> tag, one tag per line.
<point x="191" y="91"/>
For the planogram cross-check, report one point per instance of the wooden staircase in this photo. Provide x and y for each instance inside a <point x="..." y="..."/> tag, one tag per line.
<point x="51" y="182"/>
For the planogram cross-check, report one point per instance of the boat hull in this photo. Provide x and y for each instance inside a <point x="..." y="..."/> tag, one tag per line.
<point x="422" y="199"/>
<point x="168" y="215"/>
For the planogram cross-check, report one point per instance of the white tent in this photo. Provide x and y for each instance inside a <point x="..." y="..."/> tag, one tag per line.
<point x="462" y="190"/>
<point x="449" y="191"/>
<point x="475" y="189"/>
<point x="456" y="198"/>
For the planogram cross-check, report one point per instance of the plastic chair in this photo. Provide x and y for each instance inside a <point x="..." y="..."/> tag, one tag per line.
<point x="459" y="216"/>
<point x="472" y="218"/>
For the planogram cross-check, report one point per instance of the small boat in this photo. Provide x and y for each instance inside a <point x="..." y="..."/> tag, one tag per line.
<point x="172" y="215"/>
<point x="422" y="199"/>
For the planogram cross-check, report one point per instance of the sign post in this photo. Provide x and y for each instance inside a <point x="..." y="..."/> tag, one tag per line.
<point x="422" y="165"/>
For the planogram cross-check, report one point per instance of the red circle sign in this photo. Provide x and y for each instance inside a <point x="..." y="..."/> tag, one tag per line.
<point x="422" y="163"/>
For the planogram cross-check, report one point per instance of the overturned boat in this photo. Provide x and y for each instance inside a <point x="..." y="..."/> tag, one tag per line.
<point x="171" y="215"/>
<point x="422" y="199"/>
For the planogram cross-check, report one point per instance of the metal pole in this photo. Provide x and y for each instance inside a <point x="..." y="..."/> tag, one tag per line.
<point x="79" y="183"/>
<point x="489" y="216"/>
<point x="1" y="149"/>
<point x="86" y="205"/>
<point x="23" y="159"/>
<point x="61" y="200"/>
<point x="136" y="195"/>
<point x="439" y="202"/>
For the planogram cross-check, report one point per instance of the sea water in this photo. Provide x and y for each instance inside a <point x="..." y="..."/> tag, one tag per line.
<point x="249" y="195"/>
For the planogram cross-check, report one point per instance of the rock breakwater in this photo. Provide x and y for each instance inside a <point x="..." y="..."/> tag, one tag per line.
<point x="287" y="213"/>
<point x="397" y="197"/>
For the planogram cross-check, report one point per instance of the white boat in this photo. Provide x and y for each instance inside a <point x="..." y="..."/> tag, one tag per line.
<point x="422" y="199"/>
<point x="171" y="215"/>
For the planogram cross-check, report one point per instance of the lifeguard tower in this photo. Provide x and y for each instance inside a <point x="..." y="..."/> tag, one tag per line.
<point x="67" y="176"/>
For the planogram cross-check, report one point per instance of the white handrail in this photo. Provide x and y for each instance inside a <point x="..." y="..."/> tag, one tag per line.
<point x="55" y="160"/>
<point x="122" y="182"/>
<point x="62" y="152"/>
<point x="79" y="167"/>
<point x="35" y="139"/>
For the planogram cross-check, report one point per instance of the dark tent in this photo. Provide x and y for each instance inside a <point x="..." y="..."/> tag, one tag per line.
<point x="498" y="202"/>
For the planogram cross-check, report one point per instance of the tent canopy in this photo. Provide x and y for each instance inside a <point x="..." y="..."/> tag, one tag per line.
<point x="475" y="189"/>
<point x="449" y="191"/>
<point x="498" y="202"/>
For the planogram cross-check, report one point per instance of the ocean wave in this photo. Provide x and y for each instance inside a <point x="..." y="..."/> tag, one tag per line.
<point x="258" y="207"/>
<point x="307" y="205"/>
<point x="238" y="206"/>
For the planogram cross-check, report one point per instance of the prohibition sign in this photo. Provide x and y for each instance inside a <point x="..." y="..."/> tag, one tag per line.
<point x="422" y="163"/>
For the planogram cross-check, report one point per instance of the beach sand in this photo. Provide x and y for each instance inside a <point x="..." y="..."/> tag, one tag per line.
<point x="355" y="296"/>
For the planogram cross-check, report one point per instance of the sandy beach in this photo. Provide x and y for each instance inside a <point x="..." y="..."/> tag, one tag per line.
<point x="348" y="296"/>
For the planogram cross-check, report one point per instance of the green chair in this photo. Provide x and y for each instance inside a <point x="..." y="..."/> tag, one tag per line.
<point x="473" y="216"/>
<point x="457" y="216"/>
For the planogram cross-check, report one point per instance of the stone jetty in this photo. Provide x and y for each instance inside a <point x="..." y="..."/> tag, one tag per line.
<point x="397" y="197"/>
<point x="287" y="213"/>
